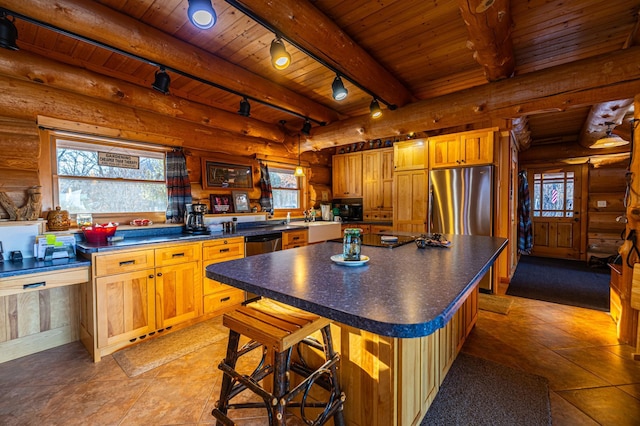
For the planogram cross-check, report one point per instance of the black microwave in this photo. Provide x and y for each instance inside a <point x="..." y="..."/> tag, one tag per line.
<point x="349" y="209"/>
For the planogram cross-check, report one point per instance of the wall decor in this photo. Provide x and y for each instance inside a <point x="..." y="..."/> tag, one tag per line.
<point x="221" y="203"/>
<point x="241" y="202"/>
<point x="222" y="175"/>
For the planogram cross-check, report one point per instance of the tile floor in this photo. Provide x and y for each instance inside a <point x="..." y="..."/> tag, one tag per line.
<point x="592" y="378"/>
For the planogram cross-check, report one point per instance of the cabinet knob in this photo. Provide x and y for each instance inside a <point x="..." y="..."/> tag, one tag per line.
<point x="151" y="276"/>
<point x="159" y="274"/>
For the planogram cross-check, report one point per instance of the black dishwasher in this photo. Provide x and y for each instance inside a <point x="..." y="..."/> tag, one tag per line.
<point x="265" y="243"/>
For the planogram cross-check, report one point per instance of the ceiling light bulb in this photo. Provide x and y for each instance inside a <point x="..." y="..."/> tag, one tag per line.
<point x="299" y="171"/>
<point x="201" y="14"/>
<point x="280" y="58"/>
<point x="375" y="110"/>
<point x="339" y="91"/>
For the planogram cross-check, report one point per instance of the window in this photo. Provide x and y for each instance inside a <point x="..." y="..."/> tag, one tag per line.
<point x="285" y="189"/>
<point x="108" y="178"/>
<point x="553" y="194"/>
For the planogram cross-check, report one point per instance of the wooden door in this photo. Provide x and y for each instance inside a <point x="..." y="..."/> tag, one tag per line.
<point x="125" y="306"/>
<point x="410" y="202"/>
<point x="557" y="211"/>
<point x="179" y="293"/>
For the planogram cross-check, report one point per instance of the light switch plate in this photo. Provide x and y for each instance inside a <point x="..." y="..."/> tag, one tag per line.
<point x="602" y="203"/>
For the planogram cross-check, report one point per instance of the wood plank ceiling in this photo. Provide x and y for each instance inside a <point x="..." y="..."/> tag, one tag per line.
<point x="401" y="51"/>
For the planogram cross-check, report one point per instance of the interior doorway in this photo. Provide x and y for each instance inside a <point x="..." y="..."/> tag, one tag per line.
<point x="558" y="211"/>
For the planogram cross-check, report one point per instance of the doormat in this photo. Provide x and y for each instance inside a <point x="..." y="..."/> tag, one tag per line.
<point x="481" y="392"/>
<point x="158" y="351"/>
<point x="493" y="303"/>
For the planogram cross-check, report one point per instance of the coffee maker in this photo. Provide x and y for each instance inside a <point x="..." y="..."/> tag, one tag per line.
<point x="194" y="219"/>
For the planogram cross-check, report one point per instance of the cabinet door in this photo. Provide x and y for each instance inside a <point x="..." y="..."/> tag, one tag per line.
<point x="410" y="155"/>
<point x="371" y="178"/>
<point x="293" y="239"/>
<point x="125" y="305"/>
<point x="410" y="201"/>
<point x="179" y="293"/>
<point x="477" y="148"/>
<point x="444" y="151"/>
<point x="347" y="175"/>
<point x="386" y="180"/>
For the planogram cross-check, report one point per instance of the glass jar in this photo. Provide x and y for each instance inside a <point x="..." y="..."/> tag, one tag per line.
<point x="351" y="244"/>
<point x="84" y="219"/>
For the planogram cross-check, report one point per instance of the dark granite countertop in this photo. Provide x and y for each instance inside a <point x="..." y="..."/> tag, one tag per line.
<point x="32" y="266"/>
<point x="400" y="292"/>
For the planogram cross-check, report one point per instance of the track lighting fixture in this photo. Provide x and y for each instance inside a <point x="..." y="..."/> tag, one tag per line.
<point x="280" y="58"/>
<point x="339" y="91"/>
<point x="245" y="108"/>
<point x="299" y="172"/>
<point x="609" y="140"/>
<point x="376" y="112"/>
<point x="306" y="127"/>
<point x="8" y="32"/>
<point x="201" y="14"/>
<point x="161" y="83"/>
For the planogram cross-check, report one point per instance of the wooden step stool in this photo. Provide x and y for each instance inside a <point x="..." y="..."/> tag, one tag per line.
<point x="277" y="328"/>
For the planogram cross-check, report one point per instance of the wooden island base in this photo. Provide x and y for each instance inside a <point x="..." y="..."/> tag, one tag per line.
<point x="393" y="381"/>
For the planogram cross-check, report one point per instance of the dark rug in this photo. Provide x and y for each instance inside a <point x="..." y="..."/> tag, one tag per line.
<point x="568" y="282"/>
<point x="480" y="392"/>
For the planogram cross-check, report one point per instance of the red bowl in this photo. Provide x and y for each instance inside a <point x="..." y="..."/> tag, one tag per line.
<point x="98" y="234"/>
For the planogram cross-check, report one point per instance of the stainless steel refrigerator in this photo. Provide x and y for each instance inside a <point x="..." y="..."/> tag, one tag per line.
<point x="461" y="202"/>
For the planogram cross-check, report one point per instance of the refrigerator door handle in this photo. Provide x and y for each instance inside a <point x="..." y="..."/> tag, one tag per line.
<point x="429" y="210"/>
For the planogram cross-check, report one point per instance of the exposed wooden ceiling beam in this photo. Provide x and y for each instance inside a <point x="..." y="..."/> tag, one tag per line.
<point x="520" y="129"/>
<point x="489" y="26"/>
<point x="594" y="126"/>
<point x="132" y="36"/>
<point x="577" y="83"/>
<point x="304" y="25"/>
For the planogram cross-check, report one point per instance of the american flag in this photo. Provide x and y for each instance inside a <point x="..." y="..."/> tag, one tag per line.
<point x="554" y="195"/>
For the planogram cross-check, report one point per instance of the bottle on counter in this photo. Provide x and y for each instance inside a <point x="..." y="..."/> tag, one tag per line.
<point x="288" y="217"/>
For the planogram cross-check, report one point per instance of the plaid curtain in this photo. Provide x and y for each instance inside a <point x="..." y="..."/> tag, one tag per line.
<point x="266" y="195"/>
<point x="525" y="228"/>
<point x="178" y="186"/>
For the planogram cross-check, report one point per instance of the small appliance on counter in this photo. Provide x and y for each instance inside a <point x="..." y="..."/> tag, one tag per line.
<point x="349" y="209"/>
<point x="194" y="219"/>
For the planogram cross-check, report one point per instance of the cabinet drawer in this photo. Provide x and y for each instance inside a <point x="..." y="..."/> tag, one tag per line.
<point x="43" y="281"/>
<point x="223" y="300"/>
<point x="177" y="254"/>
<point x="117" y="263"/>
<point x="295" y="238"/>
<point x="222" y="249"/>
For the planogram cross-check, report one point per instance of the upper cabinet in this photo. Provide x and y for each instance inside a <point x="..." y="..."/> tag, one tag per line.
<point x="377" y="181"/>
<point x="347" y="175"/>
<point x="410" y="155"/>
<point x="461" y="149"/>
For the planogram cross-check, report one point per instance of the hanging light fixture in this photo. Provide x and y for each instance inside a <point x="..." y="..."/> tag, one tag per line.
<point x="306" y="127"/>
<point x="245" y="108"/>
<point x="161" y="83"/>
<point x="299" y="170"/>
<point x="338" y="89"/>
<point x="280" y="58"/>
<point x="8" y="33"/>
<point x="374" y="108"/>
<point x="201" y="14"/>
<point x="609" y="140"/>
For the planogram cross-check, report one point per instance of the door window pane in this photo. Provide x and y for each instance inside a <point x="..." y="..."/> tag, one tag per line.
<point x="553" y="194"/>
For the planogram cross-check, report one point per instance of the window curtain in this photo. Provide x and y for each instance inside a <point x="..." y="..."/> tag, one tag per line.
<point x="525" y="227"/>
<point x="178" y="186"/>
<point x="266" y="195"/>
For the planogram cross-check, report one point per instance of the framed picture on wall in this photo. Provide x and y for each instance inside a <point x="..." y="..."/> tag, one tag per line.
<point x="222" y="175"/>
<point x="241" y="202"/>
<point x="221" y="203"/>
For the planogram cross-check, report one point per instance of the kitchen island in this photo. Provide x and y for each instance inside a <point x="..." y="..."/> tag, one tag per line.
<point x="399" y="320"/>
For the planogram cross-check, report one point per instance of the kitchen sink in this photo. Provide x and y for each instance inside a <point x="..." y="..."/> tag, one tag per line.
<point x="321" y="231"/>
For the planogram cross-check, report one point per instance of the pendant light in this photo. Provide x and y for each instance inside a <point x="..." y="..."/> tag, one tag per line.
<point x="245" y="108"/>
<point x="609" y="140"/>
<point x="374" y="108"/>
<point x="161" y="83"/>
<point x="299" y="170"/>
<point x="8" y="33"/>
<point x="201" y="14"/>
<point x="338" y="89"/>
<point x="280" y="58"/>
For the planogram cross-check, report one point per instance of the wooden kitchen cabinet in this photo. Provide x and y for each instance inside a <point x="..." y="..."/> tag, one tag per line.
<point x="410" y="201"/>
<point x="141" y="292"/>
<point x="410" y="155"/>
<point x="377" y="184"/>
<point x="461" y="149"/>
<point x="293" y="239"/>
<point x="218" y="297"/>
<point x="378" y="229"/>
<point x="347" y="175"/>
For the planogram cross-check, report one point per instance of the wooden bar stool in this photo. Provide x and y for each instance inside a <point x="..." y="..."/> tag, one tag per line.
<point x="277" y="329"/>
